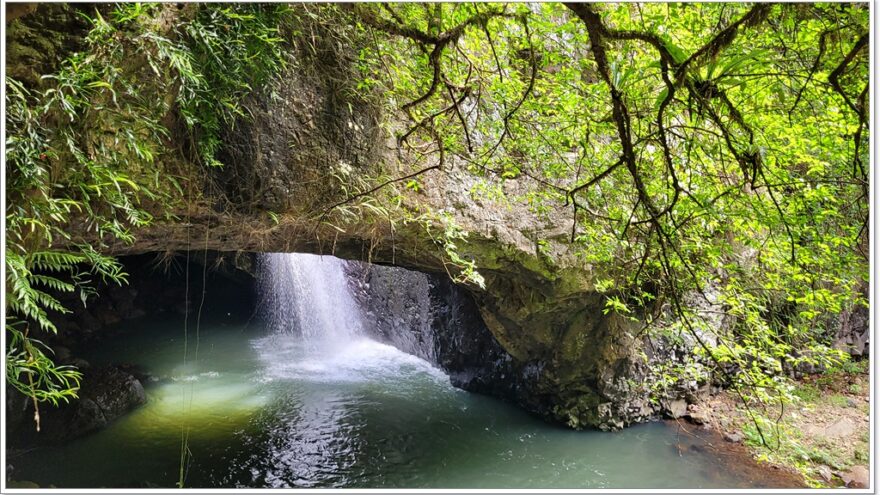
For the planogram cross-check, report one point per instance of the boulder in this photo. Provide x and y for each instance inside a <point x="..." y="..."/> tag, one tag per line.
<point x="86" y="418"/>
<point x="698" y="415"/>
<point x="856" y="477"/>
<point x="825" y="473"/>
<point x="105" y="394"/>
<point x="733" y="437"/>
<point x="675" y="408"/>
<point x="114" y="391"/>
<point x="841" y="428"/>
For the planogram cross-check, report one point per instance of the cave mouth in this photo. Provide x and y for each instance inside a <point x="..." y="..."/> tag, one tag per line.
<point x="306" y="297"/>
<point x="319" y="303"/>
<point x="194" y="353"/>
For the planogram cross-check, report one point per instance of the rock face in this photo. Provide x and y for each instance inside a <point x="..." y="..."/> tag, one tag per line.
<point x="431" y="317"/>
<point x="153" y="288"/>
<point x="854" y="329"/>
<point x="106" y="394"/>
<point x="46" y="31"/>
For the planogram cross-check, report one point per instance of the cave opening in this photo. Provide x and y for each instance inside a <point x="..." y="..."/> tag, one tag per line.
<point x="179" y="299"/>
<point x="205" y="353"/>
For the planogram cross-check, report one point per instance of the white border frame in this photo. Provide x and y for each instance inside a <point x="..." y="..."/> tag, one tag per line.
<point x="872" y="318"/>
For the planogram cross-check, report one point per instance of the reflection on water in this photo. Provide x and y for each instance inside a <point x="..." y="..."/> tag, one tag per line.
<point x="263" y="411"/>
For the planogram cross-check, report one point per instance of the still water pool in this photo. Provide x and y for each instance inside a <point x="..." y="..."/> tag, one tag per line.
<point x="260" y="410"/>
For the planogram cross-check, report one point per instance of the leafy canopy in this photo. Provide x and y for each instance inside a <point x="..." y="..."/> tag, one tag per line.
<point x="708" y="152"/>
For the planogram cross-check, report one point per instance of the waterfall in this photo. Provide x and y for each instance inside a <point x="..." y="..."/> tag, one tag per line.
<point x="309" y="295"/>
<point x="319" y="331"/>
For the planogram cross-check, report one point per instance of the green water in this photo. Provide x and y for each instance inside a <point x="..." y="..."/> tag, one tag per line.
<point x="261" y="411"/>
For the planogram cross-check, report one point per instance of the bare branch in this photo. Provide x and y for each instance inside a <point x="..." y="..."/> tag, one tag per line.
<point x="834" y="77"/>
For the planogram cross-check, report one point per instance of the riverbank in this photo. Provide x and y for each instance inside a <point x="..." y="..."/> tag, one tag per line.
<point x="824" y="438"/>
<point x="738" y="458"/>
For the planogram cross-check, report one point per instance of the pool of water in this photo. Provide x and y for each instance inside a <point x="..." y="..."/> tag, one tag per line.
<point x="259" y="409"/>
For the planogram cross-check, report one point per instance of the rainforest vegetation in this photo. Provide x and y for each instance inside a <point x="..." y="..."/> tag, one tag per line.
<point x="701" y="152"/>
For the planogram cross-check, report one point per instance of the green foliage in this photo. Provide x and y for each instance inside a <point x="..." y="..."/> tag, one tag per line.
<point x="850" y="367"/>
<point x="807" y="393"/>
<point x="449" y="238"/>
<point x="90" y="148"/>
<point x="364" y="208"/>
<point x="32" y="372"/>
<point x="704" y="155"/>
<point x="665" y="376"/>
<point x="231" y="49"/>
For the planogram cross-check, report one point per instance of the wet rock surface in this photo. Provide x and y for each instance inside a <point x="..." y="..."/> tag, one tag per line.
<point x="106" y="394"/>
<point x="431" y="317"/>
<point x="585" y="378"/>
<point x="40" y="36"/>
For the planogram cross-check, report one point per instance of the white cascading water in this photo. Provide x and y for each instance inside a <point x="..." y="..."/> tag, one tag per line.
<point x="317" y="331"/>
<point x="309" y="295"/>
